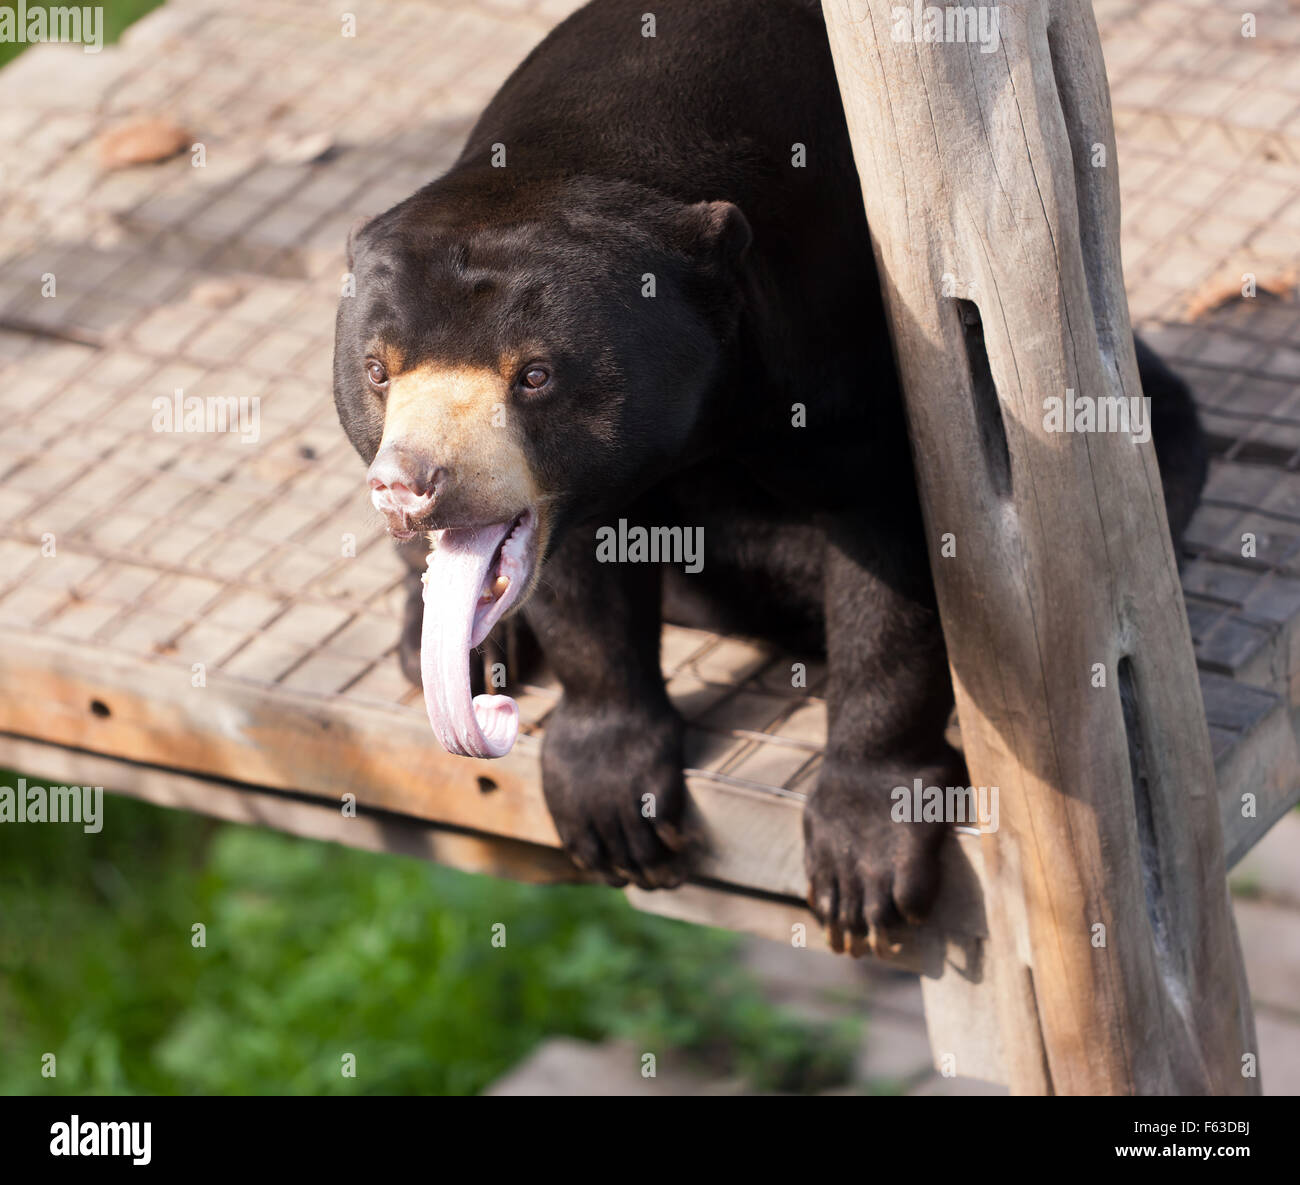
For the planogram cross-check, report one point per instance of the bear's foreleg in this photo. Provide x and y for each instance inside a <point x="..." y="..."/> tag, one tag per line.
<point x="889" y="698"/>
<point x="612" y="754"/>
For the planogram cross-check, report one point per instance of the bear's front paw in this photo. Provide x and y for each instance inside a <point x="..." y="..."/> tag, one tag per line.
<point x="613" y="784"/>
<point x="867" y="874"/>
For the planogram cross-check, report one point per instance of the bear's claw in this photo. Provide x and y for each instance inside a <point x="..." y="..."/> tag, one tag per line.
<point x="868" y="876"/>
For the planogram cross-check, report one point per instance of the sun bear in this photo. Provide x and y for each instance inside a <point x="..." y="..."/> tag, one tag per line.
<point x="645" y="291"/>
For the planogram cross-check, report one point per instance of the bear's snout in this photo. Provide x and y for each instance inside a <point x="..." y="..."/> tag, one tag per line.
<point x="452" y="455"/>
<point x="403" y="486"/>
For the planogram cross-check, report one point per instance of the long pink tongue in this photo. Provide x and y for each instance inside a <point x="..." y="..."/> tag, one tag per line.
<point x="487" y="725"/>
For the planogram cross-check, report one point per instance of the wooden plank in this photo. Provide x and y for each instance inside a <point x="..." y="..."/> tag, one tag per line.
<point x="1259" y="781"/>
<point x="981" y="167"/>
<point x="143" y="710"/>
<point x="324" y="747"/>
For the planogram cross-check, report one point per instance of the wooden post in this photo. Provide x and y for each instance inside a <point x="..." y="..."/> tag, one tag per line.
<point x="990" y="184"/>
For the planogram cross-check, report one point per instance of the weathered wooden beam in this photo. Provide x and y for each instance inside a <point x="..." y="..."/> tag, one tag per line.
<point x="990" y="184"/>
<point x="94" y="701"/>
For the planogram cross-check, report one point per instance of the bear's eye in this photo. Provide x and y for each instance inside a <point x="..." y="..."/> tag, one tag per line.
<point x="376" y="373"/>
<point x="535" y="377"/>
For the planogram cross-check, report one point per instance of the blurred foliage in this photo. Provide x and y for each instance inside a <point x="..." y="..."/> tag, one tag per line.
<point x="314" y="950"/>
<point x="117" y="15"/>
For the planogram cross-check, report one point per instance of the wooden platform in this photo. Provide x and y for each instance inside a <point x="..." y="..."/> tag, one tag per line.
<point x="210" y="623"/>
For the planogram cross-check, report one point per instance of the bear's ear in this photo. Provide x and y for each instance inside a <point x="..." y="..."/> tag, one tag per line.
<point x="353" y="231"/>
<point x="718" y="230"/>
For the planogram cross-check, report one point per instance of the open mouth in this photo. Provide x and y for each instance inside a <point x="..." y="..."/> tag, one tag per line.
<point x="474" y="577"/>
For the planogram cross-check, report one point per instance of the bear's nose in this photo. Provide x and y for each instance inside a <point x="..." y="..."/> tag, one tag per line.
<point x="403" y="484"/>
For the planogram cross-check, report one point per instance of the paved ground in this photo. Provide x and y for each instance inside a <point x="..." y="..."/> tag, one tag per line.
<point x="1209" y="132"/>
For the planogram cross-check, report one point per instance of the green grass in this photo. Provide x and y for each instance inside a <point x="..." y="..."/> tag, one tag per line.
<point x="118" y="14"/>
<point x="314" y="951"/>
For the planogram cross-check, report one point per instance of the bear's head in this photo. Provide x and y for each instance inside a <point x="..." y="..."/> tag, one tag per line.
<point x="513" y="359"/>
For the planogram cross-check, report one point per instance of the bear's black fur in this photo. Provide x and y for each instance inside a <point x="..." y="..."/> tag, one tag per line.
<point x="627" y="156"/>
